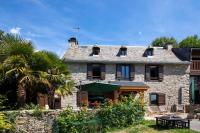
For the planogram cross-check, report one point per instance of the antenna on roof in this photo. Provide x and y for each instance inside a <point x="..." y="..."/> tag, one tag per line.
<point x="76" y="31"/>
<point x="77" y="28"/>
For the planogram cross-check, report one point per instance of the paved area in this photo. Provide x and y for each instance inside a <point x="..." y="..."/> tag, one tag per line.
<point x="195" y="125"/>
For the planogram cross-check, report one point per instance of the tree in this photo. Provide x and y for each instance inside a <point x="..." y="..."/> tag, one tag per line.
<point x="190" y="42"/>
<point x="164" y="41"/>
<point x="26" y="72"/>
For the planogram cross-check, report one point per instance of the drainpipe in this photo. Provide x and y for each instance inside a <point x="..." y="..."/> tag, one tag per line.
<point x="192" y="90"/>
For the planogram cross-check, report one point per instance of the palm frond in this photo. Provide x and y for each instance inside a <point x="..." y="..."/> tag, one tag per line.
<point x="14" y="45"/>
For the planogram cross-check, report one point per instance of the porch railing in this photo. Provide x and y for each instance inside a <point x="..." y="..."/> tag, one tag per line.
<point x="195" y="66"/>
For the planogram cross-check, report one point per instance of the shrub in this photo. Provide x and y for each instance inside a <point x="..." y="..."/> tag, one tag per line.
<point x="3" y="102"/>
<point x="122" y="114"/>
<point x="30" y="106"/>
<point x="5" y="125"/>
<point x="37" y="112"/>
<point x="75" y="122"/>
<point x="12" y="115"/>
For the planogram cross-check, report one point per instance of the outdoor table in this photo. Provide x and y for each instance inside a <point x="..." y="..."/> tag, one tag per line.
<point x="172" y="122"/>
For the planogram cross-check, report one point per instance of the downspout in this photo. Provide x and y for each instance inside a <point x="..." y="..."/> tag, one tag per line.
<point x="192" y="90"/>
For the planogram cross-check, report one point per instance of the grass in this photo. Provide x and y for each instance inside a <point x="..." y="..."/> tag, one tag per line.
<point x="150" y="127"/>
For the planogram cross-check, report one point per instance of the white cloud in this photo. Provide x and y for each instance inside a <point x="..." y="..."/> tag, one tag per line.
<point x="15" y="30"/>
<point x="140" y="33"/>
<point x="28" y="39"/>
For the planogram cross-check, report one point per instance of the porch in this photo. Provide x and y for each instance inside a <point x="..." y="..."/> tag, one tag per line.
<point x="94" y="94"/>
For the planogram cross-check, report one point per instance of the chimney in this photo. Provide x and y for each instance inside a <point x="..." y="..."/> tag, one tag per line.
<point x="73" y="43"/>
<point x="169" y="46"/>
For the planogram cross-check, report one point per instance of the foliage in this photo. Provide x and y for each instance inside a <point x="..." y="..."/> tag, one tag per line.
<point x="37" y="112"/>
<point x="164" y="41"/>
<point x="190" y="42"/>
<point x="126" y="112"/>
<point x="25" y="73"/>
<point x="122" y="114"/>
<point x="12" y="115"/>
<point x="3" y="102"/>
<point x="5" y="125"/>
<point x="14" y="45"/>
<point x="30" y="106"/>
<point x="149" y="126"/>
<point x="75" y="122"/>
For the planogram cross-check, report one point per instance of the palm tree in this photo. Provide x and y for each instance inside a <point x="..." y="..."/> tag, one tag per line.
<point x="14" y="45"/>
<point x="30" y="71"/>
<point x="55" y="71"/>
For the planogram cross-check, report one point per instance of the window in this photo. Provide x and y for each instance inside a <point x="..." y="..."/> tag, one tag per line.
<point x="157" y="99"/>
<point x="96" y="71"/>
<point x="96" y="50"/>
<point x="153" y="99"/>
<point x="123" y="51"/>
<point x="149" y="52"/>
<point x="124" y="72"/>
<point x="154" y="73"/>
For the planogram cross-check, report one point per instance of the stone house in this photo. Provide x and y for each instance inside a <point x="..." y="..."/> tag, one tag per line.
<point x="157" y="74"/>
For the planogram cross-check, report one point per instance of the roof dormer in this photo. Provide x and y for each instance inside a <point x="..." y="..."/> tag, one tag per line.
<point x="150" y="52"/>
<point x="123" y="51"/>
<point x="95" y="51"/>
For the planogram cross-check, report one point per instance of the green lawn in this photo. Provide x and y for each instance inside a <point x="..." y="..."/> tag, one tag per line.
<point x="149" y="127"/>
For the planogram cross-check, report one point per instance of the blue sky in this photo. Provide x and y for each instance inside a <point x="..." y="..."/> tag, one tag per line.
<point x="50" y="23"/>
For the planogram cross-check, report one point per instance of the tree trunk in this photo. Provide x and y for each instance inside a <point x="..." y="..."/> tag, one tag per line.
<point x="21" y="96"/>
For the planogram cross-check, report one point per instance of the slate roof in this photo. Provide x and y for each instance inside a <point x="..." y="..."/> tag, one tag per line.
<point x="108" y="54"/>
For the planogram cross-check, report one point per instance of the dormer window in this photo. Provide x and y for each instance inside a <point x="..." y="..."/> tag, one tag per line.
<point x="123" y="51"/>
<point x="96" y="50"/>
<point x="149" y="52"/>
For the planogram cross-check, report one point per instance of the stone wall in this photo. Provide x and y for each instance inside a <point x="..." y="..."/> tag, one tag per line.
<point x="27" y="122"/>
<point x="70" y="100"/>
<point x="174" y="84"/>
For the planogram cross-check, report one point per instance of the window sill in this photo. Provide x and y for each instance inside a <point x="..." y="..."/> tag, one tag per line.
<point x="95" y="79"/>
<point x="123" y="56"/>
<point x="95" y="55"/>
<point x="124" y="80"/>
<point x="153" y="81"/>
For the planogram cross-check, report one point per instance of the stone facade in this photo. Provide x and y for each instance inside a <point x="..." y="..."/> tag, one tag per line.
<point x="175" y="83"/>
<point x="70" y="100"/>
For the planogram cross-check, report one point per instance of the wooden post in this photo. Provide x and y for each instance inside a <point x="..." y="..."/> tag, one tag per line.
<point x="116" y="95"/>
<point x="142" y="97"/>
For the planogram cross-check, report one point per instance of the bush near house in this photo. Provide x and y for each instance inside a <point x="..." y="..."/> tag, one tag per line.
<point x="121" y="114"/>
<point x="126" y="112"/>
<point x="5" y="125"/>
<point x="75" y="122"/>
